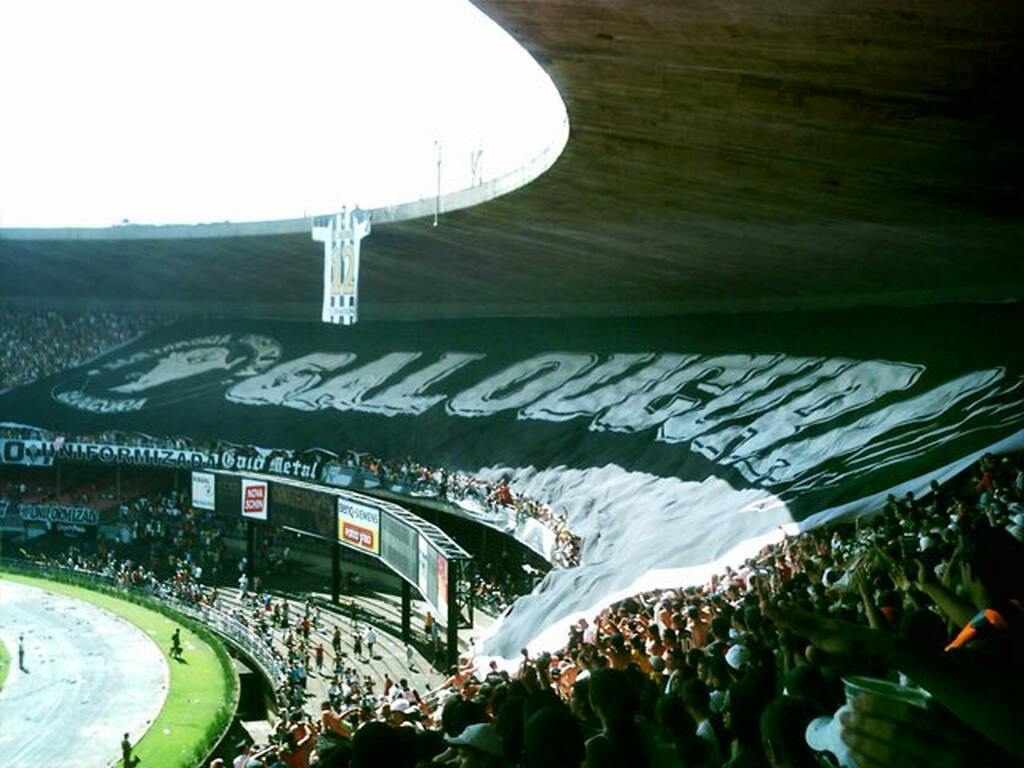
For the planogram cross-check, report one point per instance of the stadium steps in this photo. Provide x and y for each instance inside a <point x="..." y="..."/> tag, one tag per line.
<point x="382" y="612"/>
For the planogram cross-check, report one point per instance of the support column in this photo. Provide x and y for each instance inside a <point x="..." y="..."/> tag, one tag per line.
<point x="406" y="611"/>
<point x="250" y="552"/>
<point x="336" y="573"/>
<point x="453" y="617"/>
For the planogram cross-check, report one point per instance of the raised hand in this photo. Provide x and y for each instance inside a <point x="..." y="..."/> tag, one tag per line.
<point x="839" y="637"/>
<point x="882" y="732"/>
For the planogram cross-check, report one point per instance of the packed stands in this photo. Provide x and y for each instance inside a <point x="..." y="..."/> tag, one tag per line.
<point x="415" y="480"/>
<point x="892" y="640"/>
<point x="820" y="640"/>
<point x="36" y="344"/>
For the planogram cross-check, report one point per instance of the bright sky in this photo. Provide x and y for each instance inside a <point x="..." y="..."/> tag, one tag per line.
<point x="217" y="110"/>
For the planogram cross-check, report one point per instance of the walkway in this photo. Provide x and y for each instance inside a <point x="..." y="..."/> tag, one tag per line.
<point x="383" y="612"/>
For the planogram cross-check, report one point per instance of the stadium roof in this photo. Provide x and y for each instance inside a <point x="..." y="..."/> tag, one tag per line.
<point x="318" y="105"/>
<point x="723" y="156"/>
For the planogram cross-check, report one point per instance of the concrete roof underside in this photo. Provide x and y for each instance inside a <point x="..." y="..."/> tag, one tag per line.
<point x="724" y="155"/>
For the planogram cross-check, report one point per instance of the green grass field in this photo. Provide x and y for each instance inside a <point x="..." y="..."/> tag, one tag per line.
<point x="5" y="663"/>
<point x="199" y="690"/>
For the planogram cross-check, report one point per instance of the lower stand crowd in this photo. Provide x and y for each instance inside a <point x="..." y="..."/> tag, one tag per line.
<point x="890" y="641"/>
<point x="918" y="610"/>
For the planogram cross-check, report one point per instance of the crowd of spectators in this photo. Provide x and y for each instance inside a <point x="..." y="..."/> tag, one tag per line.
<point x="94" y="496"/>
<point x="497" y="499"/>
<point x="456" y="487"/>
<point x="35" y="344"/>
<point x="891" y="641"/>
<point x="160" y="528"/>
<point x="500" y="579"/>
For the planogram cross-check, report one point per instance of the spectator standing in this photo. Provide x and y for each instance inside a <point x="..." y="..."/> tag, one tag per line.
<point x="336" y="642"/>
<point x="176" y="644"/>
<point x="357" y="644"/>
<point x="127" y="758"/>
<point x="370" y="638"/>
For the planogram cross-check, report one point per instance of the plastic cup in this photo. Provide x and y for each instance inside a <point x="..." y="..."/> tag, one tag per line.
<point x="856" y="686"/>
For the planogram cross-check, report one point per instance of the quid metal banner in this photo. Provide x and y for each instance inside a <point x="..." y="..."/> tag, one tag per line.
<point x="38" y="452"/>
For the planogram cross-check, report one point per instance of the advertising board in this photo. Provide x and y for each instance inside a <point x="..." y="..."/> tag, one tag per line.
<point x="423" y="571"/>
<point x="254" y="499"/>
<point x="203" y="490"/>
<point x="400" y="547"/>
<point x="304" y="509"/>
<point x="442" y="587"/>
<point x="359" y="526"/>
<point x="433" y="579"/>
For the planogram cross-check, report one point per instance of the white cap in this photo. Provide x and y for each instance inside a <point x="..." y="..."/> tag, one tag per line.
<point x="401" y="704"/>
<point x="737" y="656"/>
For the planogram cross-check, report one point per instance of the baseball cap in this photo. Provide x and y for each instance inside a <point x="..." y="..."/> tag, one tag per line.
<point x="737" y="656"/>
<point x="480" y="736"/>
<point x="400" y="705"/>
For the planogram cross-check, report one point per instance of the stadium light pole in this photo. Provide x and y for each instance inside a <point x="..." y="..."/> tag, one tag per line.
<point x="341" y="235"/>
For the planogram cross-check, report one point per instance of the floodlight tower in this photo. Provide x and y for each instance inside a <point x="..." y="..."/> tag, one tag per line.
<point x="341" y="235"/>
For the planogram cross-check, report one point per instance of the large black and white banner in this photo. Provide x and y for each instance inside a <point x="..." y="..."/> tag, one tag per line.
<point x="707" y="434"/>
